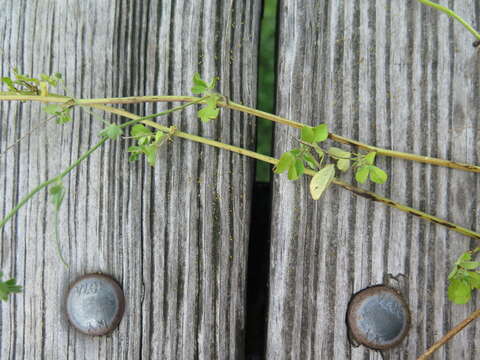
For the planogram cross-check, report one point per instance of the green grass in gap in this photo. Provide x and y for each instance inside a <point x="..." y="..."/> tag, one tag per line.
<point x="266" y="86"/>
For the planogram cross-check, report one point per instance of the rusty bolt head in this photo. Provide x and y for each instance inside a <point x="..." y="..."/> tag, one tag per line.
<point x="378" y="317"/>
<point x="95" y="304"/>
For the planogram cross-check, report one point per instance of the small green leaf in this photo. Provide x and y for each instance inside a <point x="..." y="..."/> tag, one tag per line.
<point x="470" y="265"/>
<point x="134" y="149"/>
<point x="112" y="131"/>
<point x="299" y="167"/>
<point x="320" y="133"/>
<point x="370" y="158"/>
<point x="285" y="162"/>
<point x="343" y="164"/>
<point x="208" y="113"/>
<point x="321" y="180"/>
<point x="464" y="257"/>
<point x="292" y="173"/>
<point x="213" y="83"/>
<point x="377" y="175"/>
<point x="310" y="160"/>
<point x="57" y="193"/>
<point x="140" y="130"/>
<point x="459" y="291"/>
<point x="199" y="85"/>
<point x="159" y="135"/>
<point x="474" y="279"/>
<point x="63" y="117"/>
<point x="307" y="134"/>
<point x="8" y="287"/>
<point x="151" y="154"/>
<point x="361" y="174"/>
<point x="453" y="273"/>
<point x="295" y="152"/>
<point x="53" y="109"/>
<point x="339" y="153"/>
<point x="133" y="157"/>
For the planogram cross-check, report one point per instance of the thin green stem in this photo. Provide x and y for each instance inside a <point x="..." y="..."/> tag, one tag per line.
<point x="59" y="177"/>
<point x="258" y="113"/>
<point x="57" y="238"/>
<point x="358" y="191"/>
<point x="453" y="14"/>
<point x="43" y="185"/>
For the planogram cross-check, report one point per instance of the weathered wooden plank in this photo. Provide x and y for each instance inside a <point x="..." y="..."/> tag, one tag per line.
<point x="400" y="76"/>
<point x="175" y="237"/>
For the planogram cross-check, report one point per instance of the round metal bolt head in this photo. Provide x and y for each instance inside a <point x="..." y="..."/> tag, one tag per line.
<point x="95" y="304"/>
<point x="378" y="317"/>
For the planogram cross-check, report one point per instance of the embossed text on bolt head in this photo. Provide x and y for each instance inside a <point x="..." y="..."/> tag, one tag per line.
<point x="95" y="304"/>
<point x="378" y="317"/>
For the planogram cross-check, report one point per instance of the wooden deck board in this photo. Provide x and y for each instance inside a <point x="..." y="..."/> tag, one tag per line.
<point x="396" y="75"/>
<point x="175" y="237"/>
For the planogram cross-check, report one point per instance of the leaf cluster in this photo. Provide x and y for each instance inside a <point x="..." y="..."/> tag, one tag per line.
<point x="27" y="85"/>
<point x="210" y="111"/>
<point x="61" y="112"/>
<point x="311" y="155"/>
<point x="464" y="278"/>
<point x="148" y="143"/>
<point x="8" y="287"/>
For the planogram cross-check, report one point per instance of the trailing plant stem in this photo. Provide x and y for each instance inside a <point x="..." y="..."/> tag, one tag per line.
<point x="43" y="185"/>
<point x="452" y="14"/>
<point x="450" y="334"/>
<point x="358" y="191"/>
<point x="258" y="113"/>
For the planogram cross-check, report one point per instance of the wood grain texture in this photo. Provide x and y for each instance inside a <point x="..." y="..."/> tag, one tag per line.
<point x="175" y="236"/>
<point x="397" y="75"/>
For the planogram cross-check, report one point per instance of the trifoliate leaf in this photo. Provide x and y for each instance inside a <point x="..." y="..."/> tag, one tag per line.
<point x="320" y="133"/>
<point x="8" y="287"/>
<point x="321" y="180"/>
<point x="361" y="175"/>
<point x="377" y="175"/>
<point x="459" y="291"/>
<point x="307" y="134"/>
<point x="370" y="158"/>
<point x="285" y="162"/>
<point x="112" y="131"/>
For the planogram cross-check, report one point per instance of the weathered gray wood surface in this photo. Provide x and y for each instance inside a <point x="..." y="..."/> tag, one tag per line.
<point x="400" y="76"/>
<point x="175" y="237"/>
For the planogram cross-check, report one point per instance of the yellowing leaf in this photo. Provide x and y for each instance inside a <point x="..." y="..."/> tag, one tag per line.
<point x="343" y="164"/>
<point x="321" y="180"/>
